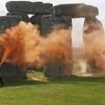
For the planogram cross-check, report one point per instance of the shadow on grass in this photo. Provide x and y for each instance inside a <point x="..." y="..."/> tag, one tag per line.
<point x="71" y="80"/>
<point x="22" y="82"/>
<point x="76" y="79"/>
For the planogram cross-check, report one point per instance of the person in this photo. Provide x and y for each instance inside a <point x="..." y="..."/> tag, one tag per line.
<point x="1" y="80"/>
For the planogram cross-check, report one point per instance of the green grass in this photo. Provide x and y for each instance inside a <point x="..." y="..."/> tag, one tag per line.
<point x="66" y="91"/>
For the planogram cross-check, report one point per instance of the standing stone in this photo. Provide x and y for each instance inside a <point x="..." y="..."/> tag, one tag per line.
<point x="58" y="53"/>
<point x="8" y="21"/>
<point x="48" y="22"/>
<point x="94" y="43"/>
<point x="12" y="72"/>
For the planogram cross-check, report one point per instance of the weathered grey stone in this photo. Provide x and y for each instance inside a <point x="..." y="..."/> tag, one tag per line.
<point x="94" y="42"/>
<point x="19" y="6"/>
<point x="36" y="20"/>
<point x="48" y="22"/>
<point x="23" y="16"/>
<point x="12" y="72"/>
<point x="76" y="10"/>
<point x="8" y="21"/>
<point x="29" y="7"/>
<point x="58" y="53"/>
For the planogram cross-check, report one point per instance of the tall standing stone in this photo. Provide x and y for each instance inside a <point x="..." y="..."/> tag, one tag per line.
<point x="58" y="56"/>
<point x="94" y="42"/>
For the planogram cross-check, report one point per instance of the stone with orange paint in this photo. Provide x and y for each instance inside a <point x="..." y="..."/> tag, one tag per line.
<point x="26" y="47"/>
<point x="58" y="54"/>
<point x="94" y="42"/>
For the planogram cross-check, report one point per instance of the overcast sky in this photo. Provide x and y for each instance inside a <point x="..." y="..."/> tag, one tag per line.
<point x="77" y="23"/>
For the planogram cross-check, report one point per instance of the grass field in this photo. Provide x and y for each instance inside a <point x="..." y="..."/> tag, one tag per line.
<point x="66" y="91"/>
